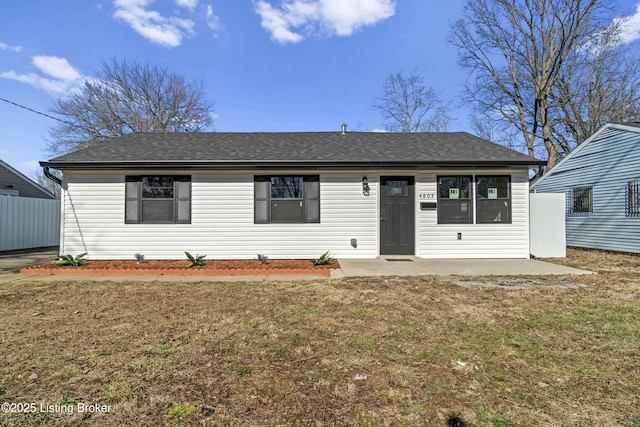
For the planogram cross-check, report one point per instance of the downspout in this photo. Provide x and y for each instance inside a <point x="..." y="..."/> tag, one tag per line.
<point x="51" y="176"/>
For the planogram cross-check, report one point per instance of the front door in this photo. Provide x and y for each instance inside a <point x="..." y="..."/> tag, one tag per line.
<point x="397" y="216"/>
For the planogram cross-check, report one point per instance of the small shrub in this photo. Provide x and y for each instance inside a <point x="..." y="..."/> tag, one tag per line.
<point x="263" y="259"/>
<point x="139" y="258"/>
<point x="71" y="260"/>
<point x="180" y="410"/>
<point x="324" y="259"/>
<point x="197" y="261"/>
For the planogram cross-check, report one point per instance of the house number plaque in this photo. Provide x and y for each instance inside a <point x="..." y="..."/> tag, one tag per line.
<point x="427" y="195"/>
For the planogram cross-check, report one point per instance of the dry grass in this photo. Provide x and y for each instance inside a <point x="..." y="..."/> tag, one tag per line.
<point x="551" y="351"/>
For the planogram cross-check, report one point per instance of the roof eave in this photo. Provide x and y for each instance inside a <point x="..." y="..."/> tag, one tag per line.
<point x="279" y="164"/>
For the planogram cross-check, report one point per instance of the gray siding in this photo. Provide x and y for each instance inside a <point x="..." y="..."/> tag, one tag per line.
<point x="27" y="222"/>
<point x="11" y="179"/>
<point x="606" y="162"/>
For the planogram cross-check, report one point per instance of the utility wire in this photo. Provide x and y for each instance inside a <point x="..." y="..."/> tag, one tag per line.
<point x="38" y="112"/>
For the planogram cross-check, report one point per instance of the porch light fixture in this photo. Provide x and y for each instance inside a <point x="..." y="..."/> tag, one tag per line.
<point x="365" y="186"/>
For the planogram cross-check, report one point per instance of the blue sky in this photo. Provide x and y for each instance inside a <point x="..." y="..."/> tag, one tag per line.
<point x="269" y="65"/>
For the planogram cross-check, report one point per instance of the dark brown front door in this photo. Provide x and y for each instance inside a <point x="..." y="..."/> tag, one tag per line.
<point x="397" y="215"/>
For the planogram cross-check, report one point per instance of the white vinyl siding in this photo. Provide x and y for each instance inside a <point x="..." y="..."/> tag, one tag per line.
<point x="477" y="240"/>
<point x="222" y="221"/>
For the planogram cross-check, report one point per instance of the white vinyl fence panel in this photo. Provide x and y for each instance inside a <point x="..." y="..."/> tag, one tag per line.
<point x="28" y="223"/>
<point x="547" y="233"/>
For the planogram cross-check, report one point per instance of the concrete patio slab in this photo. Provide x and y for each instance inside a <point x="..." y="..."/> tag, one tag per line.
<point x="414" y="266"/>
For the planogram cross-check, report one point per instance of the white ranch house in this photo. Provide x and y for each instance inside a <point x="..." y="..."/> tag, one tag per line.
<point x="295" y="195"/>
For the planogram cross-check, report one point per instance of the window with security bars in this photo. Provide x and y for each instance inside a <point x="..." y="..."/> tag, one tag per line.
<point x="633" y="199"/>
<point x="581" y="200"/>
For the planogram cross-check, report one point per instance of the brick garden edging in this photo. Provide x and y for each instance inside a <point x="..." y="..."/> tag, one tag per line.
<point x="80" y="271"/>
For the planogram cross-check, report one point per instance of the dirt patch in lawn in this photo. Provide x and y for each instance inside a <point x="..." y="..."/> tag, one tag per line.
<point x="516" y="283"/>
<point x="561" y="351"/>
<point x="180" y="267"/>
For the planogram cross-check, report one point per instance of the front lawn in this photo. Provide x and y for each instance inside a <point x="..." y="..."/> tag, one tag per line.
<point x="495" y="351"/>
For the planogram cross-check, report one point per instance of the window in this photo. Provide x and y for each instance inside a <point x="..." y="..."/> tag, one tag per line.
<point x="158" y="199"/>
<point x="397" y="188"/>
<point x="454" y="200"/>
<point x="286" y="199"/>
<point x="633" y="198"/>
<point x="493" y="199"/>
<point x="582" y="200"/>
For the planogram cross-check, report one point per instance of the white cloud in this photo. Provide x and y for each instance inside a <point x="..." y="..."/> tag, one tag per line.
<point x="58" y="68"/>
<point x="295" y="19"/>
<point x="189" y="4"/>
<point x="165" y="31"/>
<point x="56" y="76"/>
<point x="212" y="20"/>
<point x="629" y="26"/>
<point x="277" y="23"/>
<point x="4" y="46"/>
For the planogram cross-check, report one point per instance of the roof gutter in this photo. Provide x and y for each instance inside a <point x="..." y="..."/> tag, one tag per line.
<point x="51" y="176"/>
<point x="242" y="165"/>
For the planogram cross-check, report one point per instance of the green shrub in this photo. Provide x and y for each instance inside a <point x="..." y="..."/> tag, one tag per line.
<point x="71" y="260"/>
<point x="324" y="259"/>
<point x="197" y="261"/>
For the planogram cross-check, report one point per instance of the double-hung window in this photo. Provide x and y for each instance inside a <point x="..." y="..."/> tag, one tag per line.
<point x="157" y="199"/>
<point x="286" y="199"/>
<point x="455" y="205"/>
<point x="493" y="199"/>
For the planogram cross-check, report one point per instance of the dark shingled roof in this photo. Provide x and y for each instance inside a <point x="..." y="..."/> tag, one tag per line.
<point x="292" y="149"/>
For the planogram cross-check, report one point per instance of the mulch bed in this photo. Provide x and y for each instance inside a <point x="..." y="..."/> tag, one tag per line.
<point x="179" y="267"/>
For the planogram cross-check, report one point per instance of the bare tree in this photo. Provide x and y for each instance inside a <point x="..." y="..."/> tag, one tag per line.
<point x="600" y="83"/>
<point x="495" y="130"/>
<point x="407" y="105"/>
<point x="48" y="184"/>
<point x="127" y="97"/>
<point x="516" y="51"/>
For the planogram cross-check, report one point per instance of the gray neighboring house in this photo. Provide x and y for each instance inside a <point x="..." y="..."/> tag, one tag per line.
<point x="295" y="195"/>
<point x="601" y="180"/>
<point x="14" y="183"/>
<point x="29" y="214"/>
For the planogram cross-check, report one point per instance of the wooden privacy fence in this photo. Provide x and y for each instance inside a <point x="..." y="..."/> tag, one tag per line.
<point x="28" y="223"/>
<point x="547" y="235"/>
